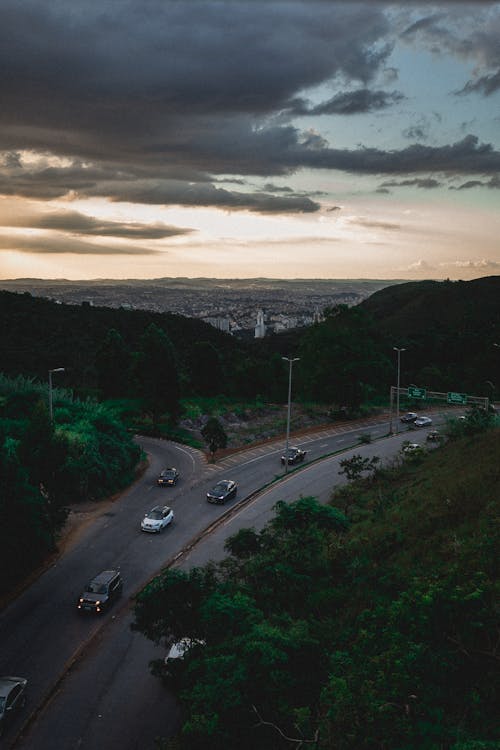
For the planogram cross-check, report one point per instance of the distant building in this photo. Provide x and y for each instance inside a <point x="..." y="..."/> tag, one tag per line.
<point x="222" y="324"/>
<point x="260" y="328"/>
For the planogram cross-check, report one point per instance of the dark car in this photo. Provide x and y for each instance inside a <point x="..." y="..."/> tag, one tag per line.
<point x="433" y="436"/>
<point x="409" y="417"/>
<point x="168" y="477"/>
<point x="12" y="697"/>
<point x="294" y="455"/>
<point x="223" y="490"/>
<point x="100" y="592"/>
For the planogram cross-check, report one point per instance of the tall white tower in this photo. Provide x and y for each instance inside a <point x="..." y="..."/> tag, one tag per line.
<point x="260" y="328"/>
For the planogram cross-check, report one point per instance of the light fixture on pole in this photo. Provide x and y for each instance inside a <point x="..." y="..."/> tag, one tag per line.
<point x="51" y="412"/>
<point x="398" y="350"/>
<point x="290" y="362"/>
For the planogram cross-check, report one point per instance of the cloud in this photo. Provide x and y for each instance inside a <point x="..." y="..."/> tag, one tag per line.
<point x="355" y="102"/>
<point x="58" y="245"/>
<point x="78" y="223"/>
<point x="493" y="183"/>
<point x="487" y="85"/>
<point x="483" y="264"/>
<point x="374" y="224"/>
<point x="420" y="265"/>
<point x="420" y="182"/>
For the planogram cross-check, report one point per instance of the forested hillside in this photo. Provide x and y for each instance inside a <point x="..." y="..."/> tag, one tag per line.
<point x="85" y="455"/>
<point x="448" y="330"/>
<point x="374" y="630"/>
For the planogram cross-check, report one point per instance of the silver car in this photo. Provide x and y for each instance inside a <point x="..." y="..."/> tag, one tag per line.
<point x="157" y="519"/>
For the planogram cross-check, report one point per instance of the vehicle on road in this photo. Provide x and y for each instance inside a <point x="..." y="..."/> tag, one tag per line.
<point x="294" y="454"/>
<point x="101" y="592"/>
<point x="411" y="448"/>
<point x="410" y="416"/>
<point x="157" y="519"/>
<point x="422" y="422"/>
<point x="168" y="478"/>
<point x="433" y="436"/>
<point x="223" y="490"/>
<point x="12" y="698"/>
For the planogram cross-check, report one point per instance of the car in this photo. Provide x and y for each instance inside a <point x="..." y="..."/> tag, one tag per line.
<point x="223" y="490"/>
<point x="168" y="478"/>
<point x="410" y="416"/>
<point x="294" y="454"/>
<point x="157" y="519"/>
<point x="100" y="592"/>
<point x="179" y="649"/>
<point x="12" y="698"/>
<point x="410" y="448"/>
<point x="422" y="422"/>
<point x="434" y="436"/>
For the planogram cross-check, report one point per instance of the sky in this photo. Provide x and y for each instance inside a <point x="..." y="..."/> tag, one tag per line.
<point x="242" y="139"/>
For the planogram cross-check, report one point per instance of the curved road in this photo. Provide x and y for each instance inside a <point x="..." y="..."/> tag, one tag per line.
<point x="89" y="685"/>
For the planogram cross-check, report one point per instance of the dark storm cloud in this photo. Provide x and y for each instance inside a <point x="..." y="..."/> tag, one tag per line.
<point x="77" y="223"/>
<point x="152" y="101"/>
<point x="465" y="156"/>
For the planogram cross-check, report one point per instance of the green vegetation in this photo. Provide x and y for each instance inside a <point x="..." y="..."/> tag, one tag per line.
<point x="85" y="454"/>
<point x="370" y="623"/>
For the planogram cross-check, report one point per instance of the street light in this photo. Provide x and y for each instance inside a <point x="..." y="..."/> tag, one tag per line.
<point x="396" y="349"/>
<point x="55" y="369"/>
<point x="290" y="362"/>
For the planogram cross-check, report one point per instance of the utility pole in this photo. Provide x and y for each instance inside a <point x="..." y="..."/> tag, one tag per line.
<point x="290" y="363"/>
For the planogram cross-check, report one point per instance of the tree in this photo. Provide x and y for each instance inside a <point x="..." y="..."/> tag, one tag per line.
<point x="157" y="375"/>
<point x="214" y="435"/>
<point x="113" y="363"/>
<point x="355" y="466"/>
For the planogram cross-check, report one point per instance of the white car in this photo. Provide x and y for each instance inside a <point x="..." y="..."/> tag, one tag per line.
<point x="411" y="448"/>
<point x="423" y="422"/>
<point x="157" y="519"/>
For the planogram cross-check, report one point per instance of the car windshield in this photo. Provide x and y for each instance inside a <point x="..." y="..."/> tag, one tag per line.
<point x="221" y="487"/>
<point x="169" y="473"/>
<point x="96" y="588"/>
<point x="155" y="515"/>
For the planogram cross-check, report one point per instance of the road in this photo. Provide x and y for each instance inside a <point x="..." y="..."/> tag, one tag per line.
<point x="89" y="684"/>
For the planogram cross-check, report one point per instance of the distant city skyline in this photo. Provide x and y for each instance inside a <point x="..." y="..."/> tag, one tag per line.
<point x="242" y="138"/>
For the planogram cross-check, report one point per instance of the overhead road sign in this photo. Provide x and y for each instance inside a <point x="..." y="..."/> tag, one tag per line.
<point x="415" y="392"/>
<point x="456" y="398"/>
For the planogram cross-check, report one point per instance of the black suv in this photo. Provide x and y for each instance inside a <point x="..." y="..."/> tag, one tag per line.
<point x="100" y="593"/>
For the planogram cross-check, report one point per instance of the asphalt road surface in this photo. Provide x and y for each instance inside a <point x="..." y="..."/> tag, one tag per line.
<point x="89" y="682"/>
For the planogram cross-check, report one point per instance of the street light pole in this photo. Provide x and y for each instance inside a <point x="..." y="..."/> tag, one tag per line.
<point x="398" y="350"/>
<point x="290" y="363"/>
<point x="51" y="412"/>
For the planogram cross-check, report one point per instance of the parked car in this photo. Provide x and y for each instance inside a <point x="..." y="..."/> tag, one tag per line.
<point x="295" y="455"/>
<point x="422" y="422"/>
<point x="168" y="477"/>
<point x="12" y="698"/>
<point x="434" y="436"/>
<point x="100" y="592"/>
<point x="157" y="519"/>
<point x="411" y="448"/>
<point x="410" y="416"/>
<point x="223" y="490"/>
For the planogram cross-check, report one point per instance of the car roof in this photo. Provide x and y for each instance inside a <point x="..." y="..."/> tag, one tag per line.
<point x="171" y="468"/>
<point x="8" y="682"/>
<point x="105" y="576"/>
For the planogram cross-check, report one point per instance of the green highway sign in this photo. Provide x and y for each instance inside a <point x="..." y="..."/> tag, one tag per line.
<point x="415" y="392"/>
<point x="456" y="398"/>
